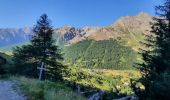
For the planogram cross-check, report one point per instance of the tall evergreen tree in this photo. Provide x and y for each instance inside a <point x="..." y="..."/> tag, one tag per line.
<point x="41" y="49"/>
<point x="155" y="68"/>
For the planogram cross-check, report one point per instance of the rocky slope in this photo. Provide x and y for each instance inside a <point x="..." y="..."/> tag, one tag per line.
<point x="131" y="29"/>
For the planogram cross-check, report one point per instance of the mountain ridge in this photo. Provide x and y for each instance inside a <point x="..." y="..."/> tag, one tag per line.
<point x="129" y="29"/>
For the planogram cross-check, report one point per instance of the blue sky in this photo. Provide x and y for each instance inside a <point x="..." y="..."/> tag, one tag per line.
<point x="78" y="13"/>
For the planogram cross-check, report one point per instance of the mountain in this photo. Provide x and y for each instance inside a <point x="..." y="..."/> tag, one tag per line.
<point x="9" y="36"/>
<point x="132" y="28"/>
<point x="128" y="29"/>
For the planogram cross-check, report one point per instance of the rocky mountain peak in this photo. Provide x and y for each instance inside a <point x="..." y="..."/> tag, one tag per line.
<point x="138" y="23"/>
<point x="143" y="14"/>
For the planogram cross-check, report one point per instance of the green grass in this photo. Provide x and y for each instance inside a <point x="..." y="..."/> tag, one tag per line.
<point x="45" y="90"/>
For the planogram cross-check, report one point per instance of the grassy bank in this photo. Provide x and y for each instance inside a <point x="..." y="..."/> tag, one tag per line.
<point x="45" y="90"/>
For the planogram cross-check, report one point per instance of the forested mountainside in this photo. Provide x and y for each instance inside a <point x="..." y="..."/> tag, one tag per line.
<point x="105" y="54"/>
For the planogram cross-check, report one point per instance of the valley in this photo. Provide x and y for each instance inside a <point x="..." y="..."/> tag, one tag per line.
<point x="98" y="58"/>
<point x="84" y="49"/>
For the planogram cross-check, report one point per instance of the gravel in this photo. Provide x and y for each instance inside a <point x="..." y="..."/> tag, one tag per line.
<point x="7" y="91"/>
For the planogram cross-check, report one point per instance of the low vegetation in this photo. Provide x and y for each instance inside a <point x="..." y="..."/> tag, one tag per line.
<point x="114" y="82"/>
<point x="45" y="90"/>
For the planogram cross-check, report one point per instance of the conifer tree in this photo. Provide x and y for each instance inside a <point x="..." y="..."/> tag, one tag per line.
<point x="42" y="49"/>
<point x="155" y="68"/>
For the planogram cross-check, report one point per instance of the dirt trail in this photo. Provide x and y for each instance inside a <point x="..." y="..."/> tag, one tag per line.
<point x="7" y="92"/>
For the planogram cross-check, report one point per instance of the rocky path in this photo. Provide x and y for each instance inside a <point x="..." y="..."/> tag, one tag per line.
<point x="7" y="92"/>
